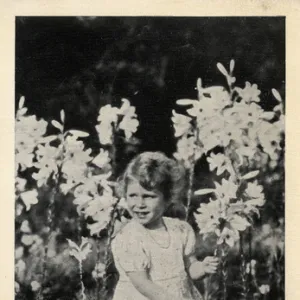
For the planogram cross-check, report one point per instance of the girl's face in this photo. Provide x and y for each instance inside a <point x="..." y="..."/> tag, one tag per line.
<point x="145" y="206"/>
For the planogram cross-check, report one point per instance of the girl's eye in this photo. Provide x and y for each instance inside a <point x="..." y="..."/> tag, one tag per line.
<point x="149" y="196"/>
<point x="132" y="195"/>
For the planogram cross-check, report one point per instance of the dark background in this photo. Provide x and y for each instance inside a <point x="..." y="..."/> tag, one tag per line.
<point x="81" y="63"/>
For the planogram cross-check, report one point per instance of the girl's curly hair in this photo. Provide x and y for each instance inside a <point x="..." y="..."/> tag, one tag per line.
<point x="154" y="170"/>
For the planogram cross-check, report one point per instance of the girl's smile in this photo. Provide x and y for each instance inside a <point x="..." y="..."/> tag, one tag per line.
<point x="145" y="206"/>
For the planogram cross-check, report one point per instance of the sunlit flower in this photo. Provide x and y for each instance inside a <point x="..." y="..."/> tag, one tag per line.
<point x="220" y="162"/>
<point x="100" y="203"/>
<point x="231" y="132"/>
<point x="102" y="159"/>
<point x="205" y="107"/>
<point x="247" y="115"/>
<point x="74" y="150"/>
<point x="186" y="149"/>
<point x="74" y="174"/>
<point x="105" y="132"/>
<point x="129" y="125"/>
<point x="226" y="190"/>
<point x="219" y="95"/>
<point x="264" y="289"/>
<point x="181" y="124"/>
<point x="254" y="190"/>
<point x="250" y="93"/>
<point x="270" y="137"/>
<point x="227" y="236"/>
<point x="29" y="198"/>
<point x="211" y="131"/>
<point x="48" y="157"/>
<point x="207" y="216"/>
<point x="102" y="219"/>
<point x="108" y="114"/>
<point x="28" y="133"/>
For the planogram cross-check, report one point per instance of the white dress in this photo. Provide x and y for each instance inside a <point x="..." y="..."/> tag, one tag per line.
<point x="134" y="250"/>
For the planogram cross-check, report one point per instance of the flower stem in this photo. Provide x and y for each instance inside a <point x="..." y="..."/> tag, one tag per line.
<point x="49" y="227"/>
<point x="223" y="271"/>
<point x="190" y="189"/>
<point x="110" y="231"/>
<point x="97" y="262"/>
<point x="243" y="269"/>
<point x="82" y="288"/>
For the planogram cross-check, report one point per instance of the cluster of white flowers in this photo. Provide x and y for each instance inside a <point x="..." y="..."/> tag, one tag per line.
<point x="95" y="198"/>
<point x="68" y="155"/>
<point x="112" y="119"/>
<point x="227" y="214"/>
<point x="234" y="121"/>
<point x="231" y="118"/>
<point x="29" y="133"/>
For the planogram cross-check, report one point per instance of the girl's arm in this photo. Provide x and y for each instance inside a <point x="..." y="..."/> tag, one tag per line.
<point x="147" y="287"/>
<point x="198" y="269"/>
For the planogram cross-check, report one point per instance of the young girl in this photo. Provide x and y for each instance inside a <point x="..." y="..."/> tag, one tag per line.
<point x="155" y="255"/>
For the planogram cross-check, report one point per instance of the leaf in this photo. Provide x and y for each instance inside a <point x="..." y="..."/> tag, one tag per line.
<point x="276" y="95"/>
<point x="79" y="133"/>
<point x="57" y="125"/>
<point x="267" y="115"/>
<point x="62" y="116"/>
<point x="49" y="139"/>
<point x="73" y="245"/>
<point x="21" y="102"/>
<point x="76" y="254"/>
<point x="22" y="111"/>
<point x="204" y="191"/>
<point x="250" y="175"/>
<point x="222" y="69"/>
<point x="186" y="102"/>
<point x="85" y="250"/>
<point x="231" y="67"/>
<point x="199" y="84"/>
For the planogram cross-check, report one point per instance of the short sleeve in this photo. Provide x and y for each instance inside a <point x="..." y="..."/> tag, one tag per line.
<point x="129" y="253"/>
<point x="189" y="240"/>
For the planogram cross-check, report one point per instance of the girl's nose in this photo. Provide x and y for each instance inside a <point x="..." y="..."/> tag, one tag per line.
<point x="141" y="202"/>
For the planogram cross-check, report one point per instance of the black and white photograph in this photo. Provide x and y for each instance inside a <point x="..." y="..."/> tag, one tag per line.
<point x="149" y="157"/>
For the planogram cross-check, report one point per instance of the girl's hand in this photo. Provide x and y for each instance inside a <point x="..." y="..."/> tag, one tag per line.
<point x="210" y="264"/>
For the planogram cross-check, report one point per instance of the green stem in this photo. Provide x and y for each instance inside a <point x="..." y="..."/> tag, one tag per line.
<point x="111" y="225"/>
<point x="224" y="275"/>
<point x="110" y="231"/>
<point x="243" y="269"/>
<point x="98" y="290"/>
<point x="49" y="226"/>
<point x="190" y="189"/>
<point x="191" y="172"/>
<point x="82" y="288"/>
